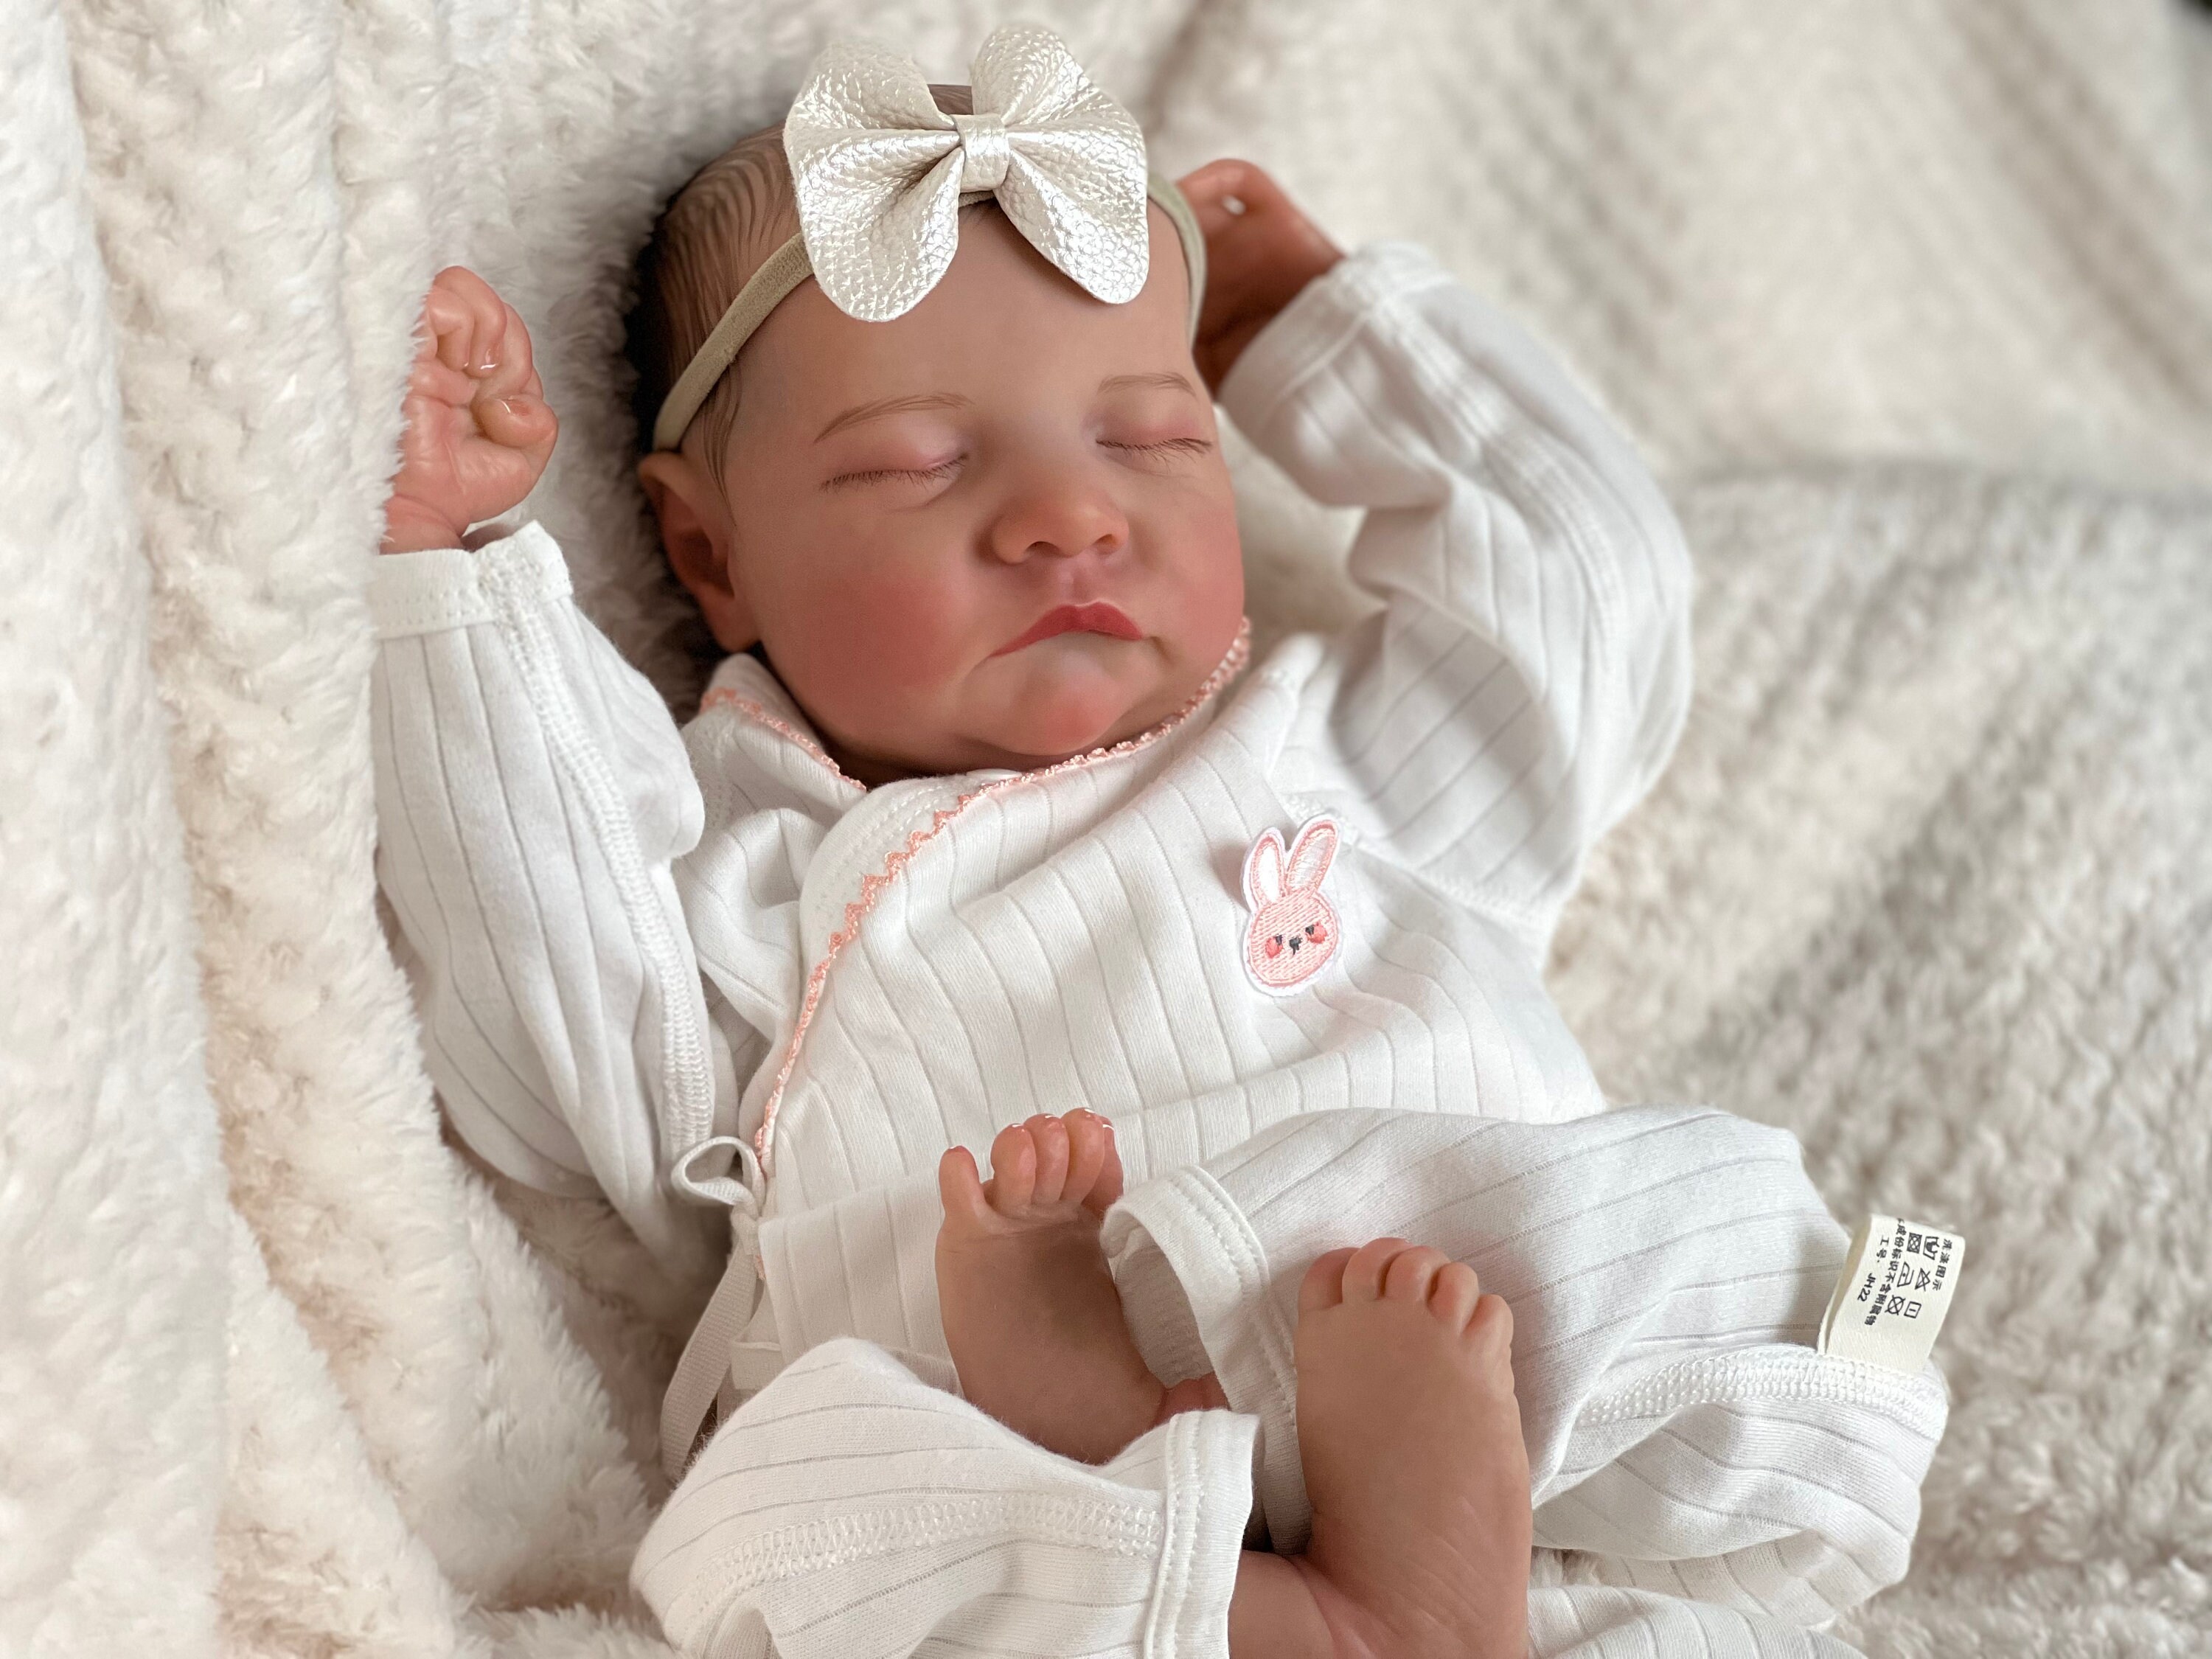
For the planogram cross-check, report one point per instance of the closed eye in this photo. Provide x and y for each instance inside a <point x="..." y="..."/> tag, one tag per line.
<point x="894" y="474"/>
<point x="1165" y="446"/>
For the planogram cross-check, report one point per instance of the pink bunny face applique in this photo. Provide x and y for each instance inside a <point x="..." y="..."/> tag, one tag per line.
<point x="1293" y="932"/>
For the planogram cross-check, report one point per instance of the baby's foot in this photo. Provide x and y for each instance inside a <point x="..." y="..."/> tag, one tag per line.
<point x="1411" y="1438"/>
<point x="1030" y="1312"/>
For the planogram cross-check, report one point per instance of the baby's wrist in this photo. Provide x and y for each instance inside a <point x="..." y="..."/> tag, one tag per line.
<point x="1198" y="1394"/>
<point x="408" y="528"/>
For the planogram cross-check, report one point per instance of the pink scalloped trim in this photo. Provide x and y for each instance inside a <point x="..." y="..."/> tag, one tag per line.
<point x="871" y="886"/>
<point x="723" y="697"/>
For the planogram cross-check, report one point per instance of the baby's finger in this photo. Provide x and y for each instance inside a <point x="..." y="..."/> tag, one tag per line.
<point x="511" y="371"/>
<point x="461" y="327"/>
<point x="520" y="422"/>
<point x="446" y="326"/>
<point x="469" y="318"/>
<point x="431" y="376"/>
<point x="1210" y="190"/>
<point x="421" y="416"/>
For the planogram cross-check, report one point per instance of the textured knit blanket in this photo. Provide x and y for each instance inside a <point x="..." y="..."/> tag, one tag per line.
<point x="1912" y="302"/>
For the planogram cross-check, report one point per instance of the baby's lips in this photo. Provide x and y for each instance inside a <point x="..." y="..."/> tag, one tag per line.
<point x="1098" y="617"/>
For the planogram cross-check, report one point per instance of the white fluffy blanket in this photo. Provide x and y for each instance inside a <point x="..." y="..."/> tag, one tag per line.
<point x="1931" y="882"/>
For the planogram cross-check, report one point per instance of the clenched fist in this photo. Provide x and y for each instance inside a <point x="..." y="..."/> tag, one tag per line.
<point x="1260" y="252"/>
<point x="478" y="428"/>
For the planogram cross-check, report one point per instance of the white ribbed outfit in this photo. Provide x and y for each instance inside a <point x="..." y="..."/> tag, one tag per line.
<point x="719" y="967"/>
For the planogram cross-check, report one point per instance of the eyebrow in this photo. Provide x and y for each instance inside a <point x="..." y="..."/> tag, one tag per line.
<point x="882" y="406"/>
<point x="1172" y="382"/>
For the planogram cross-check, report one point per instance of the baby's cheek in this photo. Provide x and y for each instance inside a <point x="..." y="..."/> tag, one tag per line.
<point x="886" y="642"/>
<point x="1209" y="572"/>
<point x="912" y="627"/>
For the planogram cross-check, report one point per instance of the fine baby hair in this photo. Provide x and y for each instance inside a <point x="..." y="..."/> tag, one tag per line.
<point x="714" y="233"/>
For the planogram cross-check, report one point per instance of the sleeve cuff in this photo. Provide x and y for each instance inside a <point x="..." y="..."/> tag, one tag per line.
<point x="1200" y="1236"/>
<point x="443" y="588"/>
<point x="1207" y="1494"/>
<point x="1318" y="324"/>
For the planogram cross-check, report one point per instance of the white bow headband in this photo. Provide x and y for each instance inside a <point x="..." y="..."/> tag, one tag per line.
<point x="881" y="174"/>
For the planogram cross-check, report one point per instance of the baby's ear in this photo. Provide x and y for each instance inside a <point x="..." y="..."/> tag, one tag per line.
<point x="695" y="530"/>
<point x="1263" y="869"/>
<point x="1312" y="853"/>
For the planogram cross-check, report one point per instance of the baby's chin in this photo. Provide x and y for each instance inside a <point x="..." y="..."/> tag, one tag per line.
<point x="1063" y="705"/>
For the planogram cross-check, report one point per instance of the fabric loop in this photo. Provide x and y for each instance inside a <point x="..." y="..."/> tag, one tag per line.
<point x="984" y="151"/>
<point x="738" y="1185"/>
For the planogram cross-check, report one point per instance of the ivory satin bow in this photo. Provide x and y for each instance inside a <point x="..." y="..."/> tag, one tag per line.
<point x="880" y="171"/>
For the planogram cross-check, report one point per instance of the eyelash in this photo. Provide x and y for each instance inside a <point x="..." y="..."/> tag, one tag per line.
<point x="847" y="479"/>
<point x="1185" y="446"/>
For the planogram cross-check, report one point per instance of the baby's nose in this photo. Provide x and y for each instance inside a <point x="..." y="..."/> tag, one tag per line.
<point x="1061" y="521"/>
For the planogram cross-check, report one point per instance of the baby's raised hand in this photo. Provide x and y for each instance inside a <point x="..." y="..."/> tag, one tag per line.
<point x="1260" y="252"/>
<point x="478" y="428"/>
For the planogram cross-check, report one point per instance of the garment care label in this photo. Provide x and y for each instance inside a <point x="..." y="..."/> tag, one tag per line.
<point x="1895" y="1289"/>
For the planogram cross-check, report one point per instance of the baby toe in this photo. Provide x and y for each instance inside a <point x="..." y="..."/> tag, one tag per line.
<point x="1049" y="1136"/>
<point x="1411" y="1271"/>
<point x="1323" y="1284"/>
<point x="961" y="1187"/>
<point x="1014" y="1170"/>
<point x="1094" y="1168"/>
<point x="1363" y="1273"/>
<point x="1454" y="1293"/>
<point x="1490" y="1334"/>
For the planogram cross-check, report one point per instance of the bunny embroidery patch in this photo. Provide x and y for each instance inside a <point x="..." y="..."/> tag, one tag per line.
<point x="1294" y="931"/>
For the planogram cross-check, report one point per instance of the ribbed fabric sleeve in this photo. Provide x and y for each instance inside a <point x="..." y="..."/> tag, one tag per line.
<point x="532" y="792"/>
<point x="1666" y="1267"/>
<point x="1583" y="1621"/>
<point x="849" y="1511"/>
<point x="1530" y="675"/>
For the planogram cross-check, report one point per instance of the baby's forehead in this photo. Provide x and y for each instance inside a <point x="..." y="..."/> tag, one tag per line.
<point x="1000" y="304"/>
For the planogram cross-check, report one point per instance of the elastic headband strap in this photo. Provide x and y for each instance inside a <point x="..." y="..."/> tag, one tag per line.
<point x="788" y="266"/>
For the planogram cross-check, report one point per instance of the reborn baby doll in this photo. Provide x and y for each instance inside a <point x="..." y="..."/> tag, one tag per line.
<point x="983" y="837"/>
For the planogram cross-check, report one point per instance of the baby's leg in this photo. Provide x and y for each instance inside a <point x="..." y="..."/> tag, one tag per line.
<point x="1411" y="1436"/>
<point x="1032" y="1318"/>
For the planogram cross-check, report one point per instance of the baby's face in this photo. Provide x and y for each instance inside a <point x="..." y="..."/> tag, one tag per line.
<point x="994" y="532"/>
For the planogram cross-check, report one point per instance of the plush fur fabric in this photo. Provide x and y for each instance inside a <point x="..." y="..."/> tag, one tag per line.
<point x="281" y="1373"/>
<point x="1928" y="884"/>
<point x="112" y="1271"/>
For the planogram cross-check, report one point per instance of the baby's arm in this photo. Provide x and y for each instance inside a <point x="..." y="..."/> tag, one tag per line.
<point x="1527" y="679"/>
<point x="531" y="793"/>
